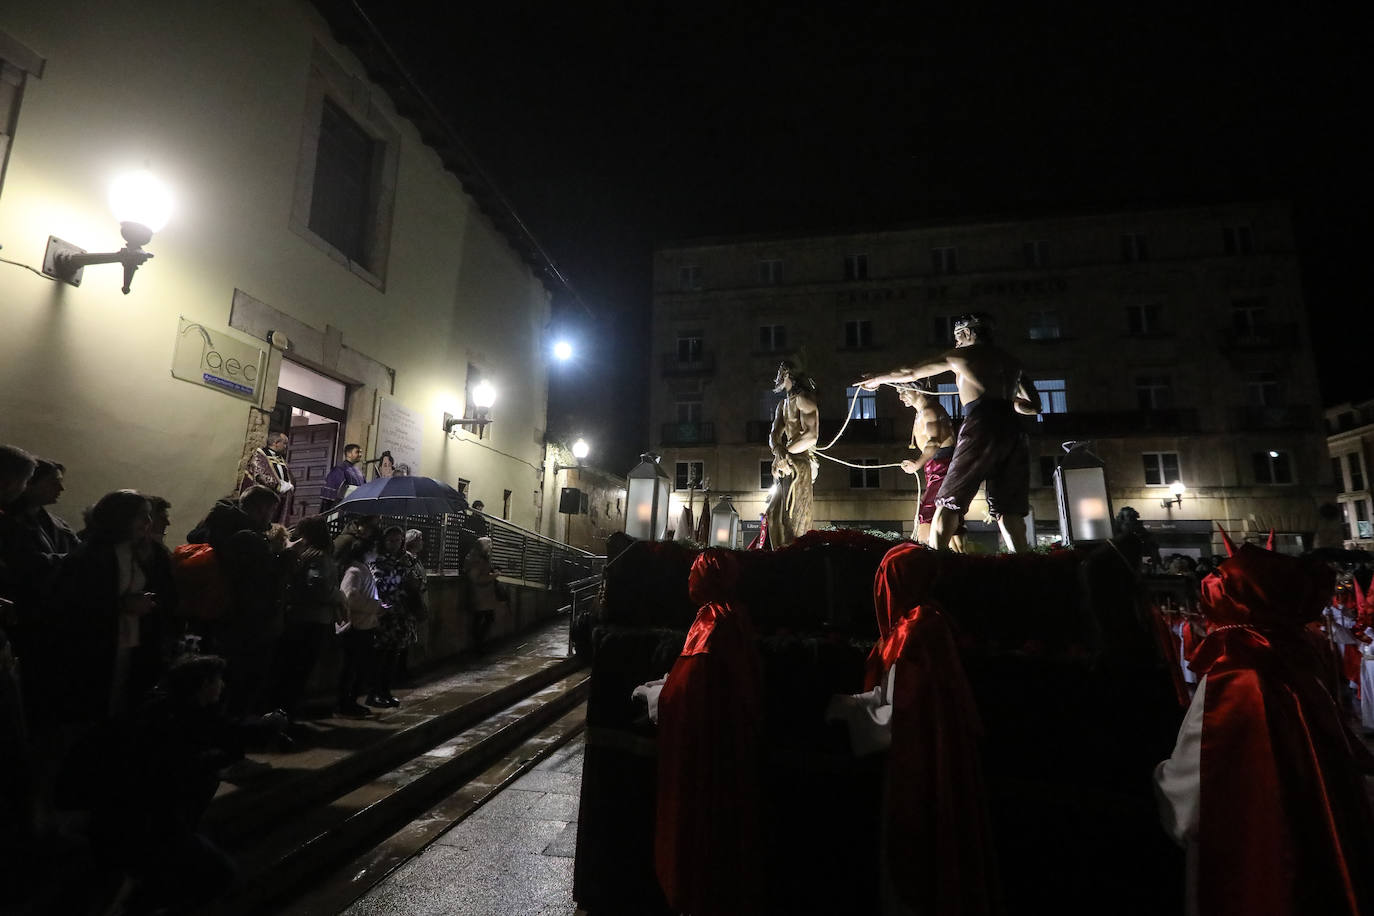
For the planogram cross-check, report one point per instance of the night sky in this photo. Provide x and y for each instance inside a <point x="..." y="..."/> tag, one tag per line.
<point x="615" y="127"/>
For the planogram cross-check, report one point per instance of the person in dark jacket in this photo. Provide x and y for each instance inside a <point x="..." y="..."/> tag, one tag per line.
<point x="159" y="777"/>
<point x="102" y="594"/>
<point x="158" y="632"/>
<point x="236" y="528"/>
<point x="313" y="607"/>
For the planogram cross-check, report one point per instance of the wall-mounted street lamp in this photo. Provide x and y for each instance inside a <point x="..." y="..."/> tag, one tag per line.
<point x="142" y="204"/>
<point x="724" y="523"/>
<point x="1080" y="483"/>
<point x="647" y="489"/>
<point x="483" y="396"/>
<point x="1176" y="491"/>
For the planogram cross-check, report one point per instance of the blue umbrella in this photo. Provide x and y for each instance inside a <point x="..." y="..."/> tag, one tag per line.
<point x="403" y="496"/>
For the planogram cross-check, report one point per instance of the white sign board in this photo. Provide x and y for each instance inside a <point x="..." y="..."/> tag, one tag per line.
<point x="398" y="432"/>
<point x="216" y="360"/>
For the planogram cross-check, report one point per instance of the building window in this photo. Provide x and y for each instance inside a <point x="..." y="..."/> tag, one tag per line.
<point x="1363" y="528"/>
<point x="1047" y="465"/>
<point x="942" y="330"/>
<point x="17" y="63"/>
<point x="1044" y="324"/>
<point x="866" y="408"/>
<point x="1356" y="464"/>
<point x="949" y="399"/>
<point x="1338" y="474"/>
<point x="1143" y="319"/>
<point x="858" y="334"/>
<point x="944" y="260"/>
<point x="343" y="203"/>
<point x="1133" y="247"/>
<point x="1154" y="392"/>
<point x="770" y="271"/>
<point x="689" y="277"/>
<point x="1262" y="389"/>
<point x="688" y="411"/>
<point x="772" y="337"/>
<point x="346" y="173"/>
<point x="1161" y="468"/>
<point x="766" y="479"/>
<point x="1236" y="240"/>
<point x="689" y="348"/>
<point x="856" y="267"/>
<point x="1247" y="316"/>
<point x="1054" y="396"/>
<point x="687" y="475"/>
<point x="1036" y="253"/>
<point x="1272" y="467"/>
<point x="863" y="478"/>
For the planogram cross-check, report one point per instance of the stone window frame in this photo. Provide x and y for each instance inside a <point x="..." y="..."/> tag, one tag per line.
<point x="357" y="99"/>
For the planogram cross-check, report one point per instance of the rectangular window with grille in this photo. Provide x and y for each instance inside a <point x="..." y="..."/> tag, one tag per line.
<point x="944" y="260"/>
<point x="687" y="475"/>
<point x="765" y="473"/>
<point x="1133" y="247"/>
<point x="689" y="349"/>
<point x="1272" y="467"/>
<point x="772" y="337"/>
<point x="863" y="478"/>
<point x="1036" y="253"/>
<point x="1044" y="324"/>
<point x="858" y="334"/>
<point x="1161" y="468"/>
<point x="689" y="277"/>
<point x="1154" y="392"/>
<point x="1144" y="319"/>
<point x="1237" y="240"/>
<point x="856" y="267"/>
<point x="770" y="271"/>
<point x="866" y="408"/>
<point x="1054" y="395"/>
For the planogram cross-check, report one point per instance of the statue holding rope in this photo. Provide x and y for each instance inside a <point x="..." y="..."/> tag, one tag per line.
<point x="933" y="434"/>
<point x="796" y="426"/>
<point x="991" y="446"/>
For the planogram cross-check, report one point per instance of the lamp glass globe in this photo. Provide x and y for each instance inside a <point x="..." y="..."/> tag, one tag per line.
<point x="139" y="197"/>
<point x="580" y="449"/>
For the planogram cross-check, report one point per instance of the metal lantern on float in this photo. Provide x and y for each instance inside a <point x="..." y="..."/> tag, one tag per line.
<point x="1080" y="483"/>
<point x="647" y="490"/>
<point x="724" y="524"/>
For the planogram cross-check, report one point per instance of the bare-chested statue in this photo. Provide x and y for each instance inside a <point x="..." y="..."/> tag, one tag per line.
<point x="796" y="425"/>
<point x="992" y="446"/>
<point x="933" y="434"/>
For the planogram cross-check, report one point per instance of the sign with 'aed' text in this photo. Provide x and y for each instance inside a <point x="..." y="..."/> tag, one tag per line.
<point x="214" y="359"/>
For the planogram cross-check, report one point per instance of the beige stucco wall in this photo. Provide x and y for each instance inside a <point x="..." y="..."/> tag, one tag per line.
<point x="215" y="105"/>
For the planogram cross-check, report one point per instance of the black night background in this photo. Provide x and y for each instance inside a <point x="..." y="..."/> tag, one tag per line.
<point x="612" y="127"/>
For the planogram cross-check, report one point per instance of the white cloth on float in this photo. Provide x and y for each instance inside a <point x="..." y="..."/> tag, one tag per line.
<point x="649" y="694"/>
<point x="1367" y="687"/>
<point x="868" y="715"/>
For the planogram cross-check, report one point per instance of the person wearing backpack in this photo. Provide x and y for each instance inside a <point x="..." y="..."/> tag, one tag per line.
<point x="314" y="605"/>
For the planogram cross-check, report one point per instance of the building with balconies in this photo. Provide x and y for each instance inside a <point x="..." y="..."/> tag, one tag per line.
<point x="1174" y="339"/>
<point x="1350" y="429"/>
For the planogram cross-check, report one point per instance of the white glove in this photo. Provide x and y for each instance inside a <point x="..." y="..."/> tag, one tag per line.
<point x="285" y="486"/>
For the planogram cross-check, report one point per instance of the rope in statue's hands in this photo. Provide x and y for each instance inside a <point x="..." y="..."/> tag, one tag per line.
<point x="820" y="452"/>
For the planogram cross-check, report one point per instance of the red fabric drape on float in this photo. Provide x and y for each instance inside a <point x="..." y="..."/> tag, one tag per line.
<point x="939" y="842"/>
<point x="706" y="844"/>
<point x="1285" y="827"/>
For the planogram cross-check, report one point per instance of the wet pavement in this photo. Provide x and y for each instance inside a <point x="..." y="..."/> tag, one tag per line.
<point x="514" y="855"/>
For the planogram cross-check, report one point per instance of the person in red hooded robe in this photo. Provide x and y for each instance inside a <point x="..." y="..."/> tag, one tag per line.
<point x="1265" y="786"/>
<point x="710" y="715"/>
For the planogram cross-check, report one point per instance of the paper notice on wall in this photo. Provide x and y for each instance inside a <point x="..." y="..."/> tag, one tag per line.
<point x="210" y="357"/>
<point x="398" y="433"/>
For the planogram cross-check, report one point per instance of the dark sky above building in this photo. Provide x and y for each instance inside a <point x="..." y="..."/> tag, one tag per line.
<point x="612" y="127"/>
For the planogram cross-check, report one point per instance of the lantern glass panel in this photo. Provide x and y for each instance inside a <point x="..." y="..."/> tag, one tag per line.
<point x="1085" y="510"/>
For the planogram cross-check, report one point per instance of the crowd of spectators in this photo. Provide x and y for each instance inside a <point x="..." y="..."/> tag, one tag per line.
<point x="132" y="673"/>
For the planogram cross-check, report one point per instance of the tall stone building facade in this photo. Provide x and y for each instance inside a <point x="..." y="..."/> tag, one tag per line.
<point x="1175" y="340"/>
<point x="1351" y="442"/>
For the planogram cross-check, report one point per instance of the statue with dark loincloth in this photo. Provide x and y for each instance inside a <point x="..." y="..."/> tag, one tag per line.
<point x="991" y="446"/>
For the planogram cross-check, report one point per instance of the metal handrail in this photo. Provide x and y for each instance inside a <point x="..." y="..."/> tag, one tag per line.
<point x="523" y="556"/>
